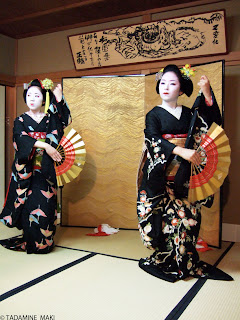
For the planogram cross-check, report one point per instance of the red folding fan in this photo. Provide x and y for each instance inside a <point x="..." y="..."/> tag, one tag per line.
<point x="209" y="176"/>
<point x="73" y="152"/>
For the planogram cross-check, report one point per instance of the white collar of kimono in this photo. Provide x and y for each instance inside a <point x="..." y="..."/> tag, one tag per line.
<point x="176" y="112"/>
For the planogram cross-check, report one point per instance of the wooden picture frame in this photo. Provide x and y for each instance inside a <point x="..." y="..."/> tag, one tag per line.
<point x="193" y="35"/>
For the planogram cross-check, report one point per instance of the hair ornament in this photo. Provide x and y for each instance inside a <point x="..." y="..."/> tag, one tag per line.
<point x="45" y="86"/>
<point x="183" y="75"/>
<point x="48" y="85"/>
<point x="187" y="71"/>
<point x="159" y="74"/>
<point x="27" y="85"/>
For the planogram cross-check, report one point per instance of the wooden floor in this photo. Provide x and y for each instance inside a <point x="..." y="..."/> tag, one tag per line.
<point x="99" y="278"/>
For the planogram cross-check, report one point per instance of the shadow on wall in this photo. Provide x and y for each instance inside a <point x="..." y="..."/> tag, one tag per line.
<point x="83" y="184"/>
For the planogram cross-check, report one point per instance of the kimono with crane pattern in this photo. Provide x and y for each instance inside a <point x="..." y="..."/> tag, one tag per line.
<point x="31" y="201"/>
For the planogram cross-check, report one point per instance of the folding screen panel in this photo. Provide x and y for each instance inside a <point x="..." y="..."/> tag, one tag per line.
<point x="108" y="112"/>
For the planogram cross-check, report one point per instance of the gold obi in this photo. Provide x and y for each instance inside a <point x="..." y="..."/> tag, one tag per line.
<point x="172" y="168"/>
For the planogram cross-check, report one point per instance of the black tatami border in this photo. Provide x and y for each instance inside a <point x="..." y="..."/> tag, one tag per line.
<point x="99" y="253"/>
<point x="190" y="295"/>
<point x="173" y="315"/>
<point x="45" y="276"/>
<point x="35" y="281"/>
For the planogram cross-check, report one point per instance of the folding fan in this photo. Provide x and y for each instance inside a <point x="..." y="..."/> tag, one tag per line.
<point x="73" y="152"/>
<point x="208" y="177"/>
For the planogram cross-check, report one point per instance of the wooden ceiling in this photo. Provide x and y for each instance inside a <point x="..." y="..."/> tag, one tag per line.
<point x="25" y="18"/>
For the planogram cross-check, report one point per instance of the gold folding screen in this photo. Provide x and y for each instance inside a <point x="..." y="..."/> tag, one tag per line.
<point x="109" y="113"/>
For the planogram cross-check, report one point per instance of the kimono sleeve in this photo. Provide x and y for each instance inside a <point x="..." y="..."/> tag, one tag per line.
<point x="159" y="149"/>
<point x="211" y="113"/>
<point x="63" y="111"/>
<point x="22" y="142"/>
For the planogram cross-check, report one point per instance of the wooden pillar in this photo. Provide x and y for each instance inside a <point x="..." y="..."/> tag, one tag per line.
<point x="10" y="115"/>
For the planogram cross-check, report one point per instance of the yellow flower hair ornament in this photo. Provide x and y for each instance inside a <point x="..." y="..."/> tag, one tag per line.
<point x="47" y="85"/>
<point x="187" y="71"/>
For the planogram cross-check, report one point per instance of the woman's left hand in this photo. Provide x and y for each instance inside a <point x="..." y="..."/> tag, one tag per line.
<point x="204" y="85"/>
<point x="58" y="92"/>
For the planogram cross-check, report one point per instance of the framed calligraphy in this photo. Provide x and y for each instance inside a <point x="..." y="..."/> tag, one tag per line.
<point x="195" y="35"/>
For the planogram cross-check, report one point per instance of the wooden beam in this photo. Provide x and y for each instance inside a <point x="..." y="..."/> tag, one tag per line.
<point x="7" y="80"/>
<point x="231" y="59"/>
<point x="147" y="18"/>
<point x="49" y="11"/>
<point x="118" y="17"/>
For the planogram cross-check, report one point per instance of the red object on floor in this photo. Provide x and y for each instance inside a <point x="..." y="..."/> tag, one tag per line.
<point x="99" y="234"/>
<point x="202" y="245"/>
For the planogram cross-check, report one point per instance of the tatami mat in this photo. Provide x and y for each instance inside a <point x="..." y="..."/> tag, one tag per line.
<point x="125" y="243"/>
<point x="213" y="254"/>
<point x="219" y="300"/>
<point x="18" y="268"/>
<point x="100" y="288"/>
<point x="99" y="278"/>
<point x="6" y="232"/>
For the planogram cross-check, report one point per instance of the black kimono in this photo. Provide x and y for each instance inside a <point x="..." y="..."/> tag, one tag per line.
<point x="168" y="222"/>
<point x="31" y="201"/>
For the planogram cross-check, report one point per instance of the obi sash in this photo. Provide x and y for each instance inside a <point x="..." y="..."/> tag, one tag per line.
<point x="37" y="153"/>
<point x="178" y="140"/>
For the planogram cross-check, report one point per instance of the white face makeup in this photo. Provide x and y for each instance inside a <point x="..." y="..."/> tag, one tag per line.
<point x="169" y="87"/>
<point x="34" y="98"/>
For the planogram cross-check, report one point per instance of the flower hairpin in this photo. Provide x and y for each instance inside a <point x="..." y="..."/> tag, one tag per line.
<point x="187" y="71"/>
<point x="159" y="74"/>
<point x="47" y="84"/>
<point x="27" y="85"/>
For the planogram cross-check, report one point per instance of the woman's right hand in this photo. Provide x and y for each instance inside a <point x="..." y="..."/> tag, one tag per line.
<point x="53" y="153"/>
<point x="188" y="154"/>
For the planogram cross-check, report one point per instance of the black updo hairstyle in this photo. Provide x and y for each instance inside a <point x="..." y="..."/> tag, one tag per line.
<point x="37" y="83"/>
<point x="186" y="85"/>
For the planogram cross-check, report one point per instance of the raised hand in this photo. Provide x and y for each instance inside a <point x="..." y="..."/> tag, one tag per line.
<point x="204" y="85"/>
<point x="58" y="92"/>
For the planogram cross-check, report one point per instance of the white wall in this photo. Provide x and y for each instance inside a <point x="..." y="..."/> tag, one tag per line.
<point x="2" y="145"/>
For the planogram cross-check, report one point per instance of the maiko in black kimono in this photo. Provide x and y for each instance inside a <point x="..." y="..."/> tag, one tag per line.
<point x="31" y="201"/>
<point x="168" y="223"/>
